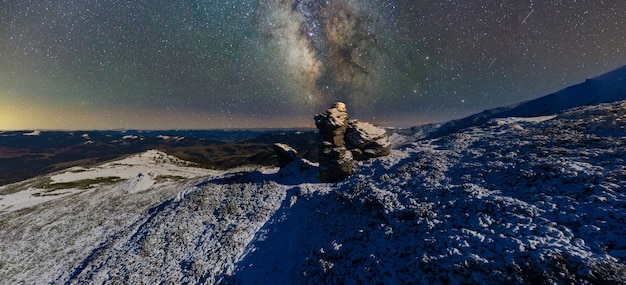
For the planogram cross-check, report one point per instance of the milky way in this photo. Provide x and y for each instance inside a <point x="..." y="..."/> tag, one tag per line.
<point x="219" y="64"/>
<point x="328" y="47"/>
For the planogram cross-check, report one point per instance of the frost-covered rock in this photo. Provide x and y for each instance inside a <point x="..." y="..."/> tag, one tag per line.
<point x="365" y="140"/>
<point x="335" y="164"/>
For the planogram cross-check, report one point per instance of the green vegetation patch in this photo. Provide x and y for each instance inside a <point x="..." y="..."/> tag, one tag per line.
<point x="83" y="184"/>
<point x="14" y="188"/>
<point x="167" y="178"/>
<point x="46" y="194"/>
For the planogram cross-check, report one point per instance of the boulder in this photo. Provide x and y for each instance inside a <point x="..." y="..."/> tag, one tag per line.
<point x="335" y="164"/>
<point x="285" y="154"/>
<point x="366" y="141"/>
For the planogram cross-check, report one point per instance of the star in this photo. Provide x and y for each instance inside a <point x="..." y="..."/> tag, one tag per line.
<point x="137" y="64"/>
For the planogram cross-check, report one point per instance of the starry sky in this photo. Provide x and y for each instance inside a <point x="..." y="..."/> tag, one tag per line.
<point x="205" y="64"/>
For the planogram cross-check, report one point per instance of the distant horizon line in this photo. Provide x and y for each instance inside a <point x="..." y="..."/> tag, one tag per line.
<point x="154" y="130"/>
<point x="385" y="126"/>
<point x="190" y="129"/>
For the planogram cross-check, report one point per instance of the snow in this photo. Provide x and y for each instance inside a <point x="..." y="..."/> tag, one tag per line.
<point x="140" y="172"/>
<point x="151" y="163"/>
<point x="130" y="137"/>
<point x="607" y="88"/>
<point x="519" y="200"/>
<point x="33" y="133"/>
<point x="287" y="149"/>
<point x="512" y="120"/>
<point x="28" y="198"/>
<point x="165" y="137"/>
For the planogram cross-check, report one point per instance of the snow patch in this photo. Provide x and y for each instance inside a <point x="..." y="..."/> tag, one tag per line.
<point x="130" y="137"/>
<point x="33" y="133"/>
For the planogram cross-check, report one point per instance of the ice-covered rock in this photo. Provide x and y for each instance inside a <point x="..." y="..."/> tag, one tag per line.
<point x="335" y="164"/>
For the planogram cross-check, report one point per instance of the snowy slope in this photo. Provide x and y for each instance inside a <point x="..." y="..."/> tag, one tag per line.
<point x="532" y="200"/>
<point x="162" y="219"/>
<point x="609" y="87"/>
<point x="519" y="200"/>
<point x="138" y="172"/>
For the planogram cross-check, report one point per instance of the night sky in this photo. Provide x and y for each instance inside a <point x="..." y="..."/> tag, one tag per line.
<point x="204" y="64"/>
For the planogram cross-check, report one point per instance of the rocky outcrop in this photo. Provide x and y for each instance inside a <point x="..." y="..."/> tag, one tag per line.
<point x="285" y="154"/>
<point x="366" y="141"/>
<point x="332" y="124"/>
<point x="342" y="141"/>
<point x="335" y="161"/>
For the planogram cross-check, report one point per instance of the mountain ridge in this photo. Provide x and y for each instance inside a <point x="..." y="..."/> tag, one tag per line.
<point x="611" y="85"/>
<point x="534" y="200"/>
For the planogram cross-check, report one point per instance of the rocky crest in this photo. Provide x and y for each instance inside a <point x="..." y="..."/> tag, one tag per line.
<point x="335" y="160"/>
<point x="342" y="141"/>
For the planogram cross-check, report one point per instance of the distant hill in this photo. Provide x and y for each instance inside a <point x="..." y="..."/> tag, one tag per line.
<point x="26" y="154"/>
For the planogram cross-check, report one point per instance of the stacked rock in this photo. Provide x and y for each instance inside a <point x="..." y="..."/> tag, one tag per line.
<point x="335" y="161"/>
<point x="342" y="141"/>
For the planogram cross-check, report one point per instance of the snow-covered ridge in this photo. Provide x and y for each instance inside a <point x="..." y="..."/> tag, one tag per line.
<point x="606" y="88"/>
<point x="136" y="173"/>
<point x="151" y="161"/>
<point x="33" y="133"/>
<point x="515" y="200"/>
<point x="519" y="201"/>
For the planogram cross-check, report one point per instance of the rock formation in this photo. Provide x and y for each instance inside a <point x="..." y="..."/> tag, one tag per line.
<point x="291" y="165"/>
<point x="285" y="154"/>
<point x="365" y="140"/>
<point x="334" y="159"/>
<point x="342" y="141"/>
